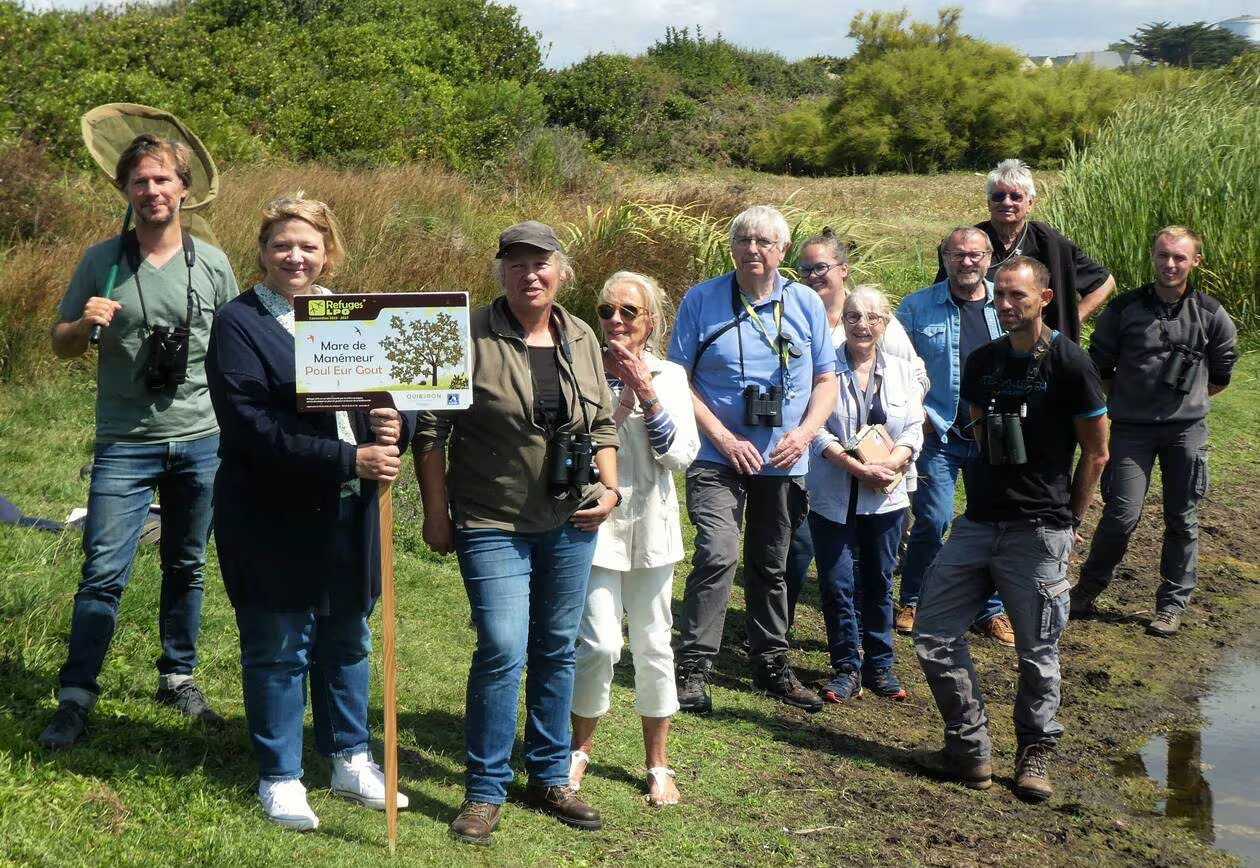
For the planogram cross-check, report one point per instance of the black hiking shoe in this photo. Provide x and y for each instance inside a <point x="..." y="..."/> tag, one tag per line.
<point x="693" y="689"/>
<point x="776" y="678"/>
<point x="188" y="699"/>
<point x="66" y="727"/>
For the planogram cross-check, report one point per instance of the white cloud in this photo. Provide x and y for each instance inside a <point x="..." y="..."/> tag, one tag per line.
<point x="800" y="28"/>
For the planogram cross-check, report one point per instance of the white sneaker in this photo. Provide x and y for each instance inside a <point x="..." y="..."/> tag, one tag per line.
<point x="361" y="779"/>
<point x="285" y="803"/>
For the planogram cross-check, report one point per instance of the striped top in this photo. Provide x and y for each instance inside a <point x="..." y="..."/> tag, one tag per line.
<point x="660" y="426"/>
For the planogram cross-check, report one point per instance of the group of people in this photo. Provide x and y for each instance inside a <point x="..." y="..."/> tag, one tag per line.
<point x="812" y="423"/>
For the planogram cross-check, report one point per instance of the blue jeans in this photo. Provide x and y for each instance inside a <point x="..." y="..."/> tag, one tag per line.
<point x="933" y="508"/>
<point x="124" y="478"/>
<point x="527" y="592"/>
<point x="855" y="564"/>
<point x="1027" y="561"/>
<point x="281" y="650"/>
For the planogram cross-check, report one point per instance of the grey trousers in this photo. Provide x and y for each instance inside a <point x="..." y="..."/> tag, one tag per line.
<point x="1027" y="562"/>
<point x="1181" y="450"/>
<point x="719" y="500"/>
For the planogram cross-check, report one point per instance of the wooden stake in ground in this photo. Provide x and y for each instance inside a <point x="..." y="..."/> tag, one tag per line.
<point x="385" y="502"/>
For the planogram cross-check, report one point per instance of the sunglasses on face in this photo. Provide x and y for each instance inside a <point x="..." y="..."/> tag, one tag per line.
<point x="1000" y="195"/>
<point x="628" y="311"/>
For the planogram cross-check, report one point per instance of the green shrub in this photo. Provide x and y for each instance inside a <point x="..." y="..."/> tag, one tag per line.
<point x="1187" y="156"/>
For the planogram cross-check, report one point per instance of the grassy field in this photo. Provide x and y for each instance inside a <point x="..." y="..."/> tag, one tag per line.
<point x="762" y="784"/>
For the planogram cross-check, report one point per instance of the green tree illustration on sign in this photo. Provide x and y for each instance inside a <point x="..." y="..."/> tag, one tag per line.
<point x="417" y="349"/>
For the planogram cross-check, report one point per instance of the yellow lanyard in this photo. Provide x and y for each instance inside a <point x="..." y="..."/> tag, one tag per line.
<point x="778" y="325"/>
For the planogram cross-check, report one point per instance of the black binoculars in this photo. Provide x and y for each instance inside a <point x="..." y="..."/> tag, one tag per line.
<point x="166" y="365"/>
<point x="763" y="407"/>
<point x="1004" y="435"/>
<point x="1180" y="371"/>
<point x="570" y="465"/>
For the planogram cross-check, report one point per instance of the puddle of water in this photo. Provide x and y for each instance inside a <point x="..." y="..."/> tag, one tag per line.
<point x="1212" y="775"/>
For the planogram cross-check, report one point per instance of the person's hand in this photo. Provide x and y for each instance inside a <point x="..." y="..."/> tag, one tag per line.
<point x="891" y="463"/>
<point x="386" y="425"/>
<point x="790" y="448"/>
<point x="374" y="461"/>
<point x="592" y="517"/>
<point x="928" y="427"/>
<point x="439" y="533"/>
<point x="97" y="311"/>
<point x="629" y="368"/>
<point x="744" y="456"/>
<point x="874" y="475"/>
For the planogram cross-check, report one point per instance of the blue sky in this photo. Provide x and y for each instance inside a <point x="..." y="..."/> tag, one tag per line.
<point x="800" y="28"/>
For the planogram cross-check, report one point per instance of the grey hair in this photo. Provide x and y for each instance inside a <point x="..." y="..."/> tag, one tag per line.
<point x="966" y="232"/>
<point x="872" y="297"/>
<point x="558" y="257"/>
<point x="1013" y="172"/>
<point x="761" y="218"/>
<point x="658" y="306"/>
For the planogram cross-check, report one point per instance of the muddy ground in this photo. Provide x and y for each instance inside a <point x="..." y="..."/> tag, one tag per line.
<point x="1119" y="688"/>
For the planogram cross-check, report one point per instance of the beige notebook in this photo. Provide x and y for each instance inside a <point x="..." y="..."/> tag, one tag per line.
<point x="873" y="443"/>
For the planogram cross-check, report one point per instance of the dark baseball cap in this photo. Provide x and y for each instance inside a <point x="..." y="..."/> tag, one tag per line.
<point x="530" y="233"/>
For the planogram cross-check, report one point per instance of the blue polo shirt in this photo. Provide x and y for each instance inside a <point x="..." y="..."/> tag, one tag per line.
<point x="717" y="377"/>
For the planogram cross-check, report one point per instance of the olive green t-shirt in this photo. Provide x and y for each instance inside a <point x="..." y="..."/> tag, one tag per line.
<point x="127" y="411"/>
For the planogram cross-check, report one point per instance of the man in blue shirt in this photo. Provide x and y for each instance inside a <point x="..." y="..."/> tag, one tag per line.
<point x="758" y="351"/>
<point x="946" y="322"/>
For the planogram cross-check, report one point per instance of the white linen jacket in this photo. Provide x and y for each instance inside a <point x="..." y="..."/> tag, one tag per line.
<point x="646" y="531"/>
<point x="899" y="394"/>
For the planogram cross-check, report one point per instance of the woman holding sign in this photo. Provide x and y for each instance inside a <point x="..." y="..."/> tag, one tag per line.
<point x="857" y="503"/>
<point x="532" y="475"/>
<point x="296" y="525"/>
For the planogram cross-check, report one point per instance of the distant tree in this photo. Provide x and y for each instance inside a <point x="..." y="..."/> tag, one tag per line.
<point x="420" y="347"/>
<point x="1191" y="46"/>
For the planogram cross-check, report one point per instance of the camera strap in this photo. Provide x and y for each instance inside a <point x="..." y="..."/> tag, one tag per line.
<point x="131" y="248"/>
<point x="778" y="345"/>
<point x="1036" y="362"/>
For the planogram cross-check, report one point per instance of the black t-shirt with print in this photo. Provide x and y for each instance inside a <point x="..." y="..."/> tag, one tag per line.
<point x="1066" y="387"/>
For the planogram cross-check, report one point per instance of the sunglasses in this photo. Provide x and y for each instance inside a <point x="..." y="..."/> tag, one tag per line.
<point x="1000" y="195"/>
<point x="628" y="311"/>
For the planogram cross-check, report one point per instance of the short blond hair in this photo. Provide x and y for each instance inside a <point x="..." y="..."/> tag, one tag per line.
<point x="658" y="306"/>
<point x="312" y="211"/>
<point x="1180" y="232"/>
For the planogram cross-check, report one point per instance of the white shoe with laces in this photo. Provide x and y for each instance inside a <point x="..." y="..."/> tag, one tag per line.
<point x="285" y="804"/>
<point x="361" y="779"/>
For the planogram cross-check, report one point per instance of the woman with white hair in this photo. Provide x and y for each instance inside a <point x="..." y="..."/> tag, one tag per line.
<point x="637" y="547"/>
<point x="858" y="499"/>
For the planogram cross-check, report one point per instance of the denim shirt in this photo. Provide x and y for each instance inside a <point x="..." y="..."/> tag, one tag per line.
<point x="934" y="324"/>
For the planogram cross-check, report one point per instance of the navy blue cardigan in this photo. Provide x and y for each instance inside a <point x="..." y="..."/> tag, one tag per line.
<point x="277" y="493"/>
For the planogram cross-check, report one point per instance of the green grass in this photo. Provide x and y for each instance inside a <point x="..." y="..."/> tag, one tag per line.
<point x="762" y="784"/>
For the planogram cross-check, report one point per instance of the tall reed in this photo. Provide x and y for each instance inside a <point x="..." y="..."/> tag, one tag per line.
<point x="1189" y="156"/>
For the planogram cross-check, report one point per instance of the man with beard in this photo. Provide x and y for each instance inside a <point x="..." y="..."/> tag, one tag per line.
<point x="1162" y="349"/>
<point x="946" y="322"/>
<point x="1034" y="396"/>
<point x="1080" y="284"/>
<point x="155" y="428"/>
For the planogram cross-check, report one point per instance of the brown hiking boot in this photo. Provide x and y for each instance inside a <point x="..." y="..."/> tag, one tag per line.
<point x="775" y="678"/>
<point x="975" y="774"/>
<point x="903" y="621"/>
<point x="1032" y="777"/>
<point x="999" y="629"/>
<point x="565" y="805"/>
<point x="475" y="822"/>
<point x="1166" y="623"/>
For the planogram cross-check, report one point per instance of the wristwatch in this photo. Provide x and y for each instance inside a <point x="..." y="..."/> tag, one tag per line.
<point x="648" y="404"/>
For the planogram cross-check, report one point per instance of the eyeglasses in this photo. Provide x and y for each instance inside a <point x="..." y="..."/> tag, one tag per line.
<point x="761" y="243"/>
<point x="963" y="255"/>
<point x="818" y="269"/>
<point x="854" y="317"/>
<point x="628" y="311"/>
<point x="999" y="195"/>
